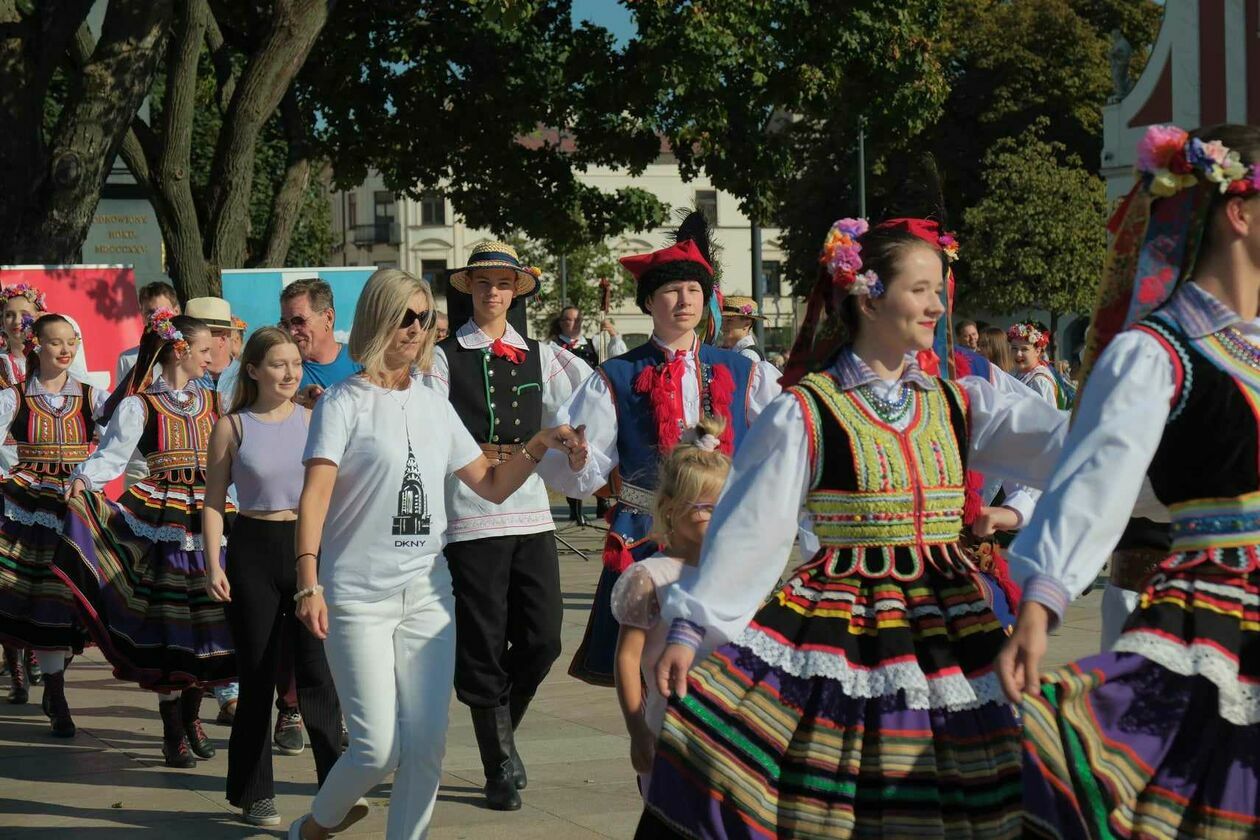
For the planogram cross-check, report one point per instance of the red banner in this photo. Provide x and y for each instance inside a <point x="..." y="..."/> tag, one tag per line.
<point x="101" y="298"/>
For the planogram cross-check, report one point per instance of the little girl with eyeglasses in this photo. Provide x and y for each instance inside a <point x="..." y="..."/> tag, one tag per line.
<point x="692" y="477"/>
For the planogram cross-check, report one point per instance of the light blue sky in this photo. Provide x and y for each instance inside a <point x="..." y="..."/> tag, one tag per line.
<point x="609" y="14"/>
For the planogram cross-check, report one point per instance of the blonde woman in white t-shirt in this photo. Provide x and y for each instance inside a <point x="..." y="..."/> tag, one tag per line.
<point x="372" y="580"/>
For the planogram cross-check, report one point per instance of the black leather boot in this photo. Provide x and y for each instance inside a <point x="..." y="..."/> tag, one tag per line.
<point x="493" y="728"/>
<point x="58" y="708"/>
<point x="18" y="692"/>
<point x="190" y="714"/>
<point x="174" y="742"/>
<point x="517" y="704"/>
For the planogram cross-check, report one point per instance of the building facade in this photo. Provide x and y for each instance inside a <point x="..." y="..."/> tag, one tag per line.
<point x="1204" y="69"/>
<point x="433" y="239"/>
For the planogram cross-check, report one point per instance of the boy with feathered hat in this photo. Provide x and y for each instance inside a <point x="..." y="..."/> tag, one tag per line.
<point x="640" y="405"/>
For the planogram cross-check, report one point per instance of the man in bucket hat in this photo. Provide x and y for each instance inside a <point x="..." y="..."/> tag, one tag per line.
<point x="625" y="407"/>
<point x="502" y="558"/>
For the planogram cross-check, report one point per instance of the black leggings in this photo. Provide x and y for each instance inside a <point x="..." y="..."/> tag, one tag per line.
<point x="261" y="569"/>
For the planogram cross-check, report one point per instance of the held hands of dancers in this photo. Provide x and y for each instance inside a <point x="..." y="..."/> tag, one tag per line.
<point x="77" y="488"/>
<point x="672" y="668"/>
<point x="994" y="519"/>
<point x="1019" y="663"/>
<point x="570" y="441"/>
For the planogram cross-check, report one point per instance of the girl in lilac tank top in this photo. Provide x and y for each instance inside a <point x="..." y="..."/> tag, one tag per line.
<point x="257" y="447"/>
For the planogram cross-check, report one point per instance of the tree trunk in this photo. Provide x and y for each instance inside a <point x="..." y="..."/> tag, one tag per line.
<point x="294" y="26"/>
<point x="62" y="184"/>
<point x="287" y="203"/>
<point x="1054" y="334"/>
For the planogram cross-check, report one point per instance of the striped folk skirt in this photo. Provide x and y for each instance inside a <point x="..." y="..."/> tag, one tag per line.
<point x="850" y="707"/>
<point x="37" y="610"/>
<point x="140" y="579"/>
<point x="1160" y="737"/>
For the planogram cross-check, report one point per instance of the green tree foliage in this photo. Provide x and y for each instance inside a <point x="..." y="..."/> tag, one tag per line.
<point x="1006" y="63"/>
<point x="1036" y="239"/>
<point x="585" y="267"/>
<point x="755" y="93"/>
<point x="500" y="105"/>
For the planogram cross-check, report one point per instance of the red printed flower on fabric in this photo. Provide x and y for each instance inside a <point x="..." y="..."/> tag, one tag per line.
<point x="1152" y="289"/>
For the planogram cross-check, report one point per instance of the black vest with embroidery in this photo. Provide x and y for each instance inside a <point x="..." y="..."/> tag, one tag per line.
<point x="883" y="501"/>
<point x="1207" y="466"/>
<point x="499" y="402"/>
<point x="585" y="351"/>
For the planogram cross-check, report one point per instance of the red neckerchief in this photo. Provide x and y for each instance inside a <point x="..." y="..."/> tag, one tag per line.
<point x="503" y="350"/>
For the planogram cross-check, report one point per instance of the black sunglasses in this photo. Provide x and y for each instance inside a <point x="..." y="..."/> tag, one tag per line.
<point x="426" y="318"/>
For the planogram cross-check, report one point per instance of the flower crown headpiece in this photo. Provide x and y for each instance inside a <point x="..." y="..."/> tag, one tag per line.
<point x="842" y="255"/>
<point x="162" y="322"/>
<point x="1170" y="160"/>
<point x="26" y="290"/>
<point x="30" y="343"/>
<point x="1030" y="333"/>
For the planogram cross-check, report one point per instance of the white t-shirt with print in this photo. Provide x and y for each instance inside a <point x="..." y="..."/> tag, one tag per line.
<point x="387" y="517"/>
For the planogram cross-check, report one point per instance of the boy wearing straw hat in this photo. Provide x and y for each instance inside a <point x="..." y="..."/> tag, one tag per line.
<point x="502" y="558"/>
<point x="739" y="314"/>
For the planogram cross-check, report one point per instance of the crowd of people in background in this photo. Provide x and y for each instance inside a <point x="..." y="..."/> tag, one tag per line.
<point x="361" y="530"/>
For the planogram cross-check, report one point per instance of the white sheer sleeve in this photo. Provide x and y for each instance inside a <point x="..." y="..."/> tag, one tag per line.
<point x="8" y="410"/>
<point x="634" y="598"/>
<point x="762" y="388"/>
<point x="754" y="525"/>
<point x="563" y="373"/>
<point x="1016" y="436"/>
<point x="590" y="405"/>
<point x="1091" y="495"/>
<point x="438" y="377"/>
<point x="121" y="436"/>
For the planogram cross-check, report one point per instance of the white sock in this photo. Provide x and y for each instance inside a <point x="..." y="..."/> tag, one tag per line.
<point x="164" y="696"/>
<point x="51" y="661"/>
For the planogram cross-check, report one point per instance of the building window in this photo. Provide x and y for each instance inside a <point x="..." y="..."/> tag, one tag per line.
<point x="771" y="278"/>
<point x="384" y="209"/>
<point x="432" y="210"/>
<point x="352" y="211"/>
<point x="706" y="203"/>
<point x="433" y="272"/>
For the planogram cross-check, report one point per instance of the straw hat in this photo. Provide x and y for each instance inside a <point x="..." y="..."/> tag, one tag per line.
<point x="214" y="312"/>
<point x="740" y="306"/>
<point x="497" y="255"/>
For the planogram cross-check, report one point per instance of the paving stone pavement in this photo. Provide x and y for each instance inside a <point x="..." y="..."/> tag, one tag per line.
<point x="109" y="780"/>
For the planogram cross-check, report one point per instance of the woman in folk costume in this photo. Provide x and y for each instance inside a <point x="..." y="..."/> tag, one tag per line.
<point x="138" y="567"/>
<point x="636" y="408"/>
<point x="22" y="301"/>
<point x="1029" y="341"/>
<point x="861" y="699"/>
<point x="1158" y="737"/>
<point x="51" y="416"/>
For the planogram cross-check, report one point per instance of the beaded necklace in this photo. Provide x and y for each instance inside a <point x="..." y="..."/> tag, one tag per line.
<point x="1240" y="348"/>
<point x="890" y="411"/>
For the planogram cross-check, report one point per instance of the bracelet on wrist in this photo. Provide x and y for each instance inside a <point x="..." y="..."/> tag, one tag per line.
<point x="529" y="456"/>
<point x="308" y="554"/>
<point x="307" y="593"/>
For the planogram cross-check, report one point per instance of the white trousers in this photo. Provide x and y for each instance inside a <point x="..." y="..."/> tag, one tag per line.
<point x="394" y="665"/>
<point x="1117" y="604"/>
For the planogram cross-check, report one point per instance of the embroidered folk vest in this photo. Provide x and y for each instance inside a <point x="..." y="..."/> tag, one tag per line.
<point x="176" y="437"/>
<point x="50" y="440"/>
<point x="884" y="500"/>
<point x="1207" y="466"/>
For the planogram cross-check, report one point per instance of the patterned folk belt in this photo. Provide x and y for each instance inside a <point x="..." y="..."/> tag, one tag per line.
<point x="176" y="459"/>
<point x="1131" y="566"/>
<point x="1206" y="524"/>
<point x="52" y="453"/>
<point x="637" y="497"/>
<point x="500" y="453"/>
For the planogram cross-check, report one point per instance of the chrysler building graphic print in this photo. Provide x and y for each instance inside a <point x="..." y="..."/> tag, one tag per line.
<point x="413" y="505"/>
